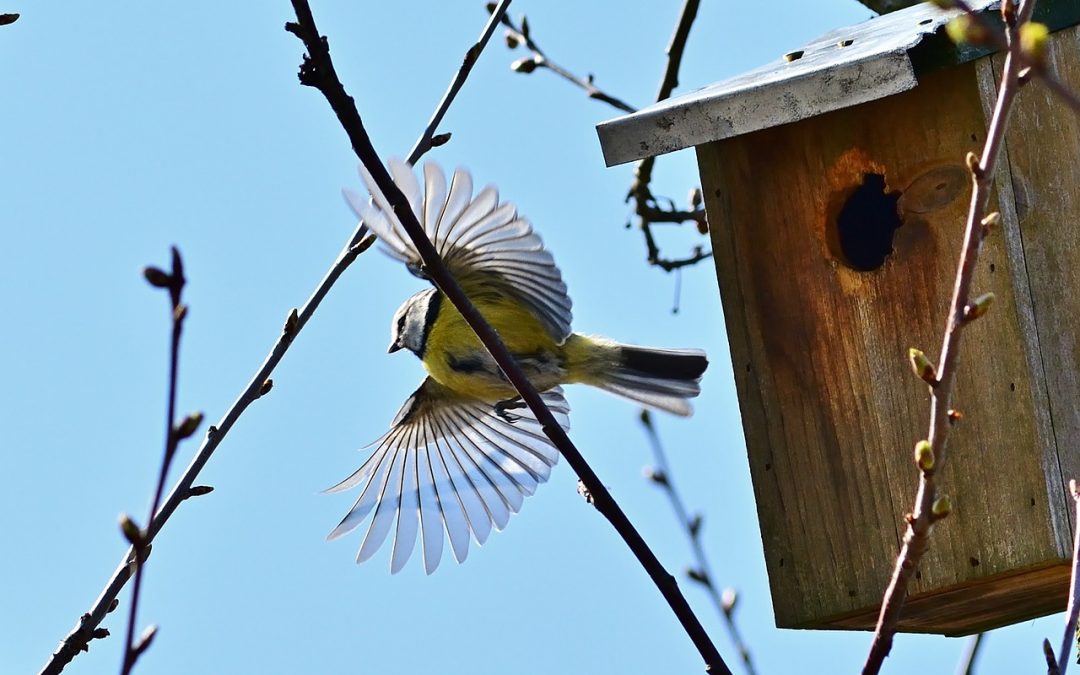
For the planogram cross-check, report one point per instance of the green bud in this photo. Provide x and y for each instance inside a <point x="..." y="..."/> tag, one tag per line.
<point x="189" y="425"/>
<point x="130" y="530"/>
<point x="979" y="307"/>
<point x="1034" y="39"/>
<point x="922" y="366"/>
<point x="924" y="456"/>
<point x="942" y="507"/>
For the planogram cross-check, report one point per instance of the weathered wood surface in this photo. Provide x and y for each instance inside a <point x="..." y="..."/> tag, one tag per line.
<point x="1043" y="177"/>
<point x="830" y="407"/>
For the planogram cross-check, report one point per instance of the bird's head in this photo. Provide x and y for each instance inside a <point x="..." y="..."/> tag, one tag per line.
<point x="412" y="322"/>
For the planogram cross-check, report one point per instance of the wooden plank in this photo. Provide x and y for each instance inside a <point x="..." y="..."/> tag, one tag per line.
<point x="1043" y="149"/>
<point x="830" y="408"/>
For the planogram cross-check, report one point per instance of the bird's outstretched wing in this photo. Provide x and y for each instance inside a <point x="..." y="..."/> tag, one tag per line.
<point x="481" y="241"/>
<point x="449" y="463"/>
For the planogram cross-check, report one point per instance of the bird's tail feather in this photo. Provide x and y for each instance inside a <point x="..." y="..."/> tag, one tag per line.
<point x="657" y="378"/>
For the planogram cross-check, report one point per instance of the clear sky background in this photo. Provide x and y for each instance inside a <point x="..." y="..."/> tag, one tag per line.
<point x="127" y="127"/>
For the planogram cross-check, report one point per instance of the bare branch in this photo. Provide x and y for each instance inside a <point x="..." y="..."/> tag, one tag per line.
<point x="691" y="525"/>
<point x="1073" y="609"/>
<point x="970" y="655"/>
<point x="174" y="432"/>
<point x="519" y="34"/>
<point x="318" y="71"/>
<point x="646" y="207"/>
<point x="260" y="384"/>
<point x="930" y="454"/>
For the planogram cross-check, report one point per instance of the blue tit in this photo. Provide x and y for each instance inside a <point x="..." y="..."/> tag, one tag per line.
<point x="454" y="460"/>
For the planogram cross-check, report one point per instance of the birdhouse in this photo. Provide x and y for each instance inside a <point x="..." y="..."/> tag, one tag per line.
<point x="836" y="194"/>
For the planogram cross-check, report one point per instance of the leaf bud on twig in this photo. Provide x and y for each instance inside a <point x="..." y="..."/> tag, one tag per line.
<point x="922" y="367"/>
<point x="189" y="425"/>
<point x="979" y="307"/>
<point x="585" y="493"/>
<point x="113" y="605"/>
<point x="694" y="525"/>
<point x="1034" y="38"/>
<point x="965" y="29"/>
<point x="729" y="599"/>
<point x="157" y="277"/>
<point x="290" y="322"/>
<point x="265" y="387"/>
<point x="144" y="641"/>
<point x="6" y="19"/>
<point x="130" y="530"/>
<point x="440" y="139"/>
<point x="694" y="198"/>
<point x="698" y="576"/>
<point x="655" y="475"/>
<point x="525" y="65"/>
<point x="924" y="456"/>
<point x="991" y="221"/>
<point x="941" y="508"/>
<point x="954" y="416"/>
<point x="512" y="41"/>
<point x="972" y="161"/>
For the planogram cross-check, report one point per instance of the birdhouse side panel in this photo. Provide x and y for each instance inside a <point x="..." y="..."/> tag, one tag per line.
<point x="1043" y="180"/>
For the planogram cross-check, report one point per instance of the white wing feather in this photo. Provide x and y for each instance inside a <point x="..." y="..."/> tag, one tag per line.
<point x="449" y="463"/>
<point x="474" y="235"/>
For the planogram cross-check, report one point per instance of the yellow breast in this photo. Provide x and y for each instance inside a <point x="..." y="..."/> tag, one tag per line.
<point x="456" y="359"/>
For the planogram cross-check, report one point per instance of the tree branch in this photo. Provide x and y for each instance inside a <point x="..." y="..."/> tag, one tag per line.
<point x="318" y="71"/>
<point x="971" y="653"/>
<point x="691" y="526"/>
<point x="88" y="627"/>
<point x="1073" y="609"/>
<point x="930" y="454"/>
<point x="646" y="206"/>
<point x="174" y="433"/>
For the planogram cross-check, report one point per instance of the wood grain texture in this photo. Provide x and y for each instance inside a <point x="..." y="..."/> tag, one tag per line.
<point x="830" y="407"/>
<point x="1043" y="146"/>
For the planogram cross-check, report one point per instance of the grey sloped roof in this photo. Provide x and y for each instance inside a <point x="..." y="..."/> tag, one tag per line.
<point x="842" y="68"/>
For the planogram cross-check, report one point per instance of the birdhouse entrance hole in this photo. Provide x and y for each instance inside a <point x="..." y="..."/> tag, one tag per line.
<point x="866" y="224"/>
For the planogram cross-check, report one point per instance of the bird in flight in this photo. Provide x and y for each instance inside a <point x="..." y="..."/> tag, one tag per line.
<point x="462" y="453"/>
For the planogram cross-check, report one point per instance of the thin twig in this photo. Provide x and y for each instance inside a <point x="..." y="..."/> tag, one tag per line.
<point x="173" y="282"/>
<point x="1051" y="660"/>
<point x="691" y="525"/>
<point x="519" y="34"/>
<point x="991" y="34"/>
<point x="970" y="655"/>
<point x="318" y="71"/>
<point x="930" y="454"/>
<point x="646" y="206"/>
<point x="1073" y="608"/>
<point x="88" y="627"/>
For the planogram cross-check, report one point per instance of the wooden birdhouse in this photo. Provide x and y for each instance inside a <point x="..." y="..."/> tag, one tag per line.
<point x="836" y="194"/>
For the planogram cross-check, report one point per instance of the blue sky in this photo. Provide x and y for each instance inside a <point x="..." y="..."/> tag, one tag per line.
<point x="131" y="127"/>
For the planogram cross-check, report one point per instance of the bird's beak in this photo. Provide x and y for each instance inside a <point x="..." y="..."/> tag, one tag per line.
<point x="394" y="346"/>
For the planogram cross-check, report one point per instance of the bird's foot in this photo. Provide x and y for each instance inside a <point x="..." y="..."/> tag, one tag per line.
<point x="501" y="408"/>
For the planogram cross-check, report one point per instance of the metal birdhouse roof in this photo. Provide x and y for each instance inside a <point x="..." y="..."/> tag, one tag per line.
<point x="842" y="68"/>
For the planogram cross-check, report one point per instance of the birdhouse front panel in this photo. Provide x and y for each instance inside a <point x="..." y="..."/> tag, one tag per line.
<point x="836" y="240"/>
